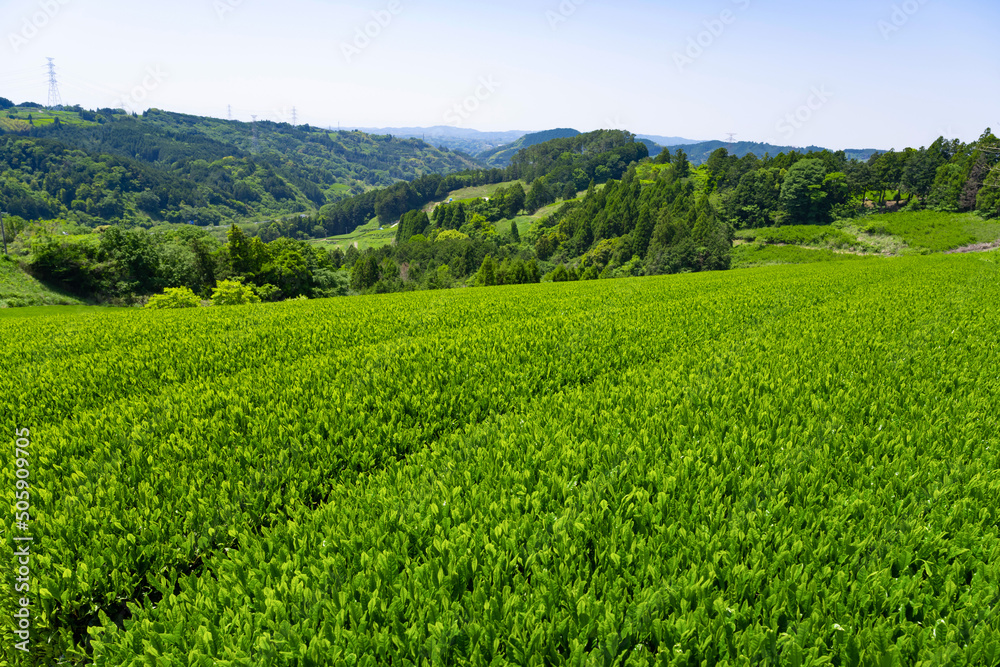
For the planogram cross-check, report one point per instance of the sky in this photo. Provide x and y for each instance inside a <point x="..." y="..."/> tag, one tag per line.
<point x="832" y="73"/>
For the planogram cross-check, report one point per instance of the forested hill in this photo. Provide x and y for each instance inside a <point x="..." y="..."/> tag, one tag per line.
<point x="118" y="264"/>
<point x="699" y="153"/>
<point x="555" y="169"/>
<point x="95" y="168"/>
<point x="502" y="155"/>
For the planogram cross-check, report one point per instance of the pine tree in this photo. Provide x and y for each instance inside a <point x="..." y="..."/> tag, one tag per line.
<point x="682" y="168"/>
<point x="643" y="231"/>
<point x="487" y="274"/>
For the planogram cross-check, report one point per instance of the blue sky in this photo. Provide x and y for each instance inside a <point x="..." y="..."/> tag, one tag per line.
<point x="845" y="74"/>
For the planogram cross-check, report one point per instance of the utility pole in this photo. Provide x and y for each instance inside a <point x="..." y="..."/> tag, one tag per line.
<point x="295" y="117"/>
<point x="256" y="141"/>
<point x="229" y="108"/>
<point x="3" y="233"/>
<point x="54" y="98"/>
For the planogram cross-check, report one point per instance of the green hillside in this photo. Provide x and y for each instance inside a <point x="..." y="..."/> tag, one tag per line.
<point x="106" y="167"/>
<point x="903" y="233"/>
<point x="371" y="235"/>
<point x="502" y="155"/>
<point x="932" y="231"/>
<point x="18" y="289"/>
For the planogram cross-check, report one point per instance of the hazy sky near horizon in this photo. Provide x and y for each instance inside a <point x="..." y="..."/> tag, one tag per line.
<point x="841" y="74"/>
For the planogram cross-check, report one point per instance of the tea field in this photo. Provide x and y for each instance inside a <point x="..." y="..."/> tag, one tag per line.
<point x="794" y="465"/>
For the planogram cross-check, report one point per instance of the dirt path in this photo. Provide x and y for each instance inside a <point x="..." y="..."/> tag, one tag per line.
<point x="978" y="247"/>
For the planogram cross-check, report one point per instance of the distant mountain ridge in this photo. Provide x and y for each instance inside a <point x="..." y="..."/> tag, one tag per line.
<point x="468" y="141"/>
<point x="443" y="131"/>
<point x="668" y="141"/>
<point x="494" y="148"/>
<point x="699" y="153"/>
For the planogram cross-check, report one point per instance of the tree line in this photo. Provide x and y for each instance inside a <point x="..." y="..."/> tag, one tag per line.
<point x="816" y="188"/>
<point x="122" y="266"/>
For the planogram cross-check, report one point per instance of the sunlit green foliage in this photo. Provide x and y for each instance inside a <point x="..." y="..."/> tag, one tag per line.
<point x="233" y="293"/>
<point x="174" y="297"/>
<point x="754" y="254"/>
<point x="18" y="289"/>
<point x="934" y="231"/>
<point x="794" y="465"/>
<point x="814" y="235"/>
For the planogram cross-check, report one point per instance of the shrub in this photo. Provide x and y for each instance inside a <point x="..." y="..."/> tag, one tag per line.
<point x="233" y="293"/>
<point x="174" y="297"/>
<point x="451" y="235"/>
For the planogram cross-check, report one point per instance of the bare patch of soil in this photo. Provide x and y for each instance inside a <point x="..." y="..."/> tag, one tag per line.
<point x="978" y="247"/>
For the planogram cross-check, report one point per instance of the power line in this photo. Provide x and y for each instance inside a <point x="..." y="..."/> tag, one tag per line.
<point x="22" y="83"/>
<point x="55" y="100"/>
